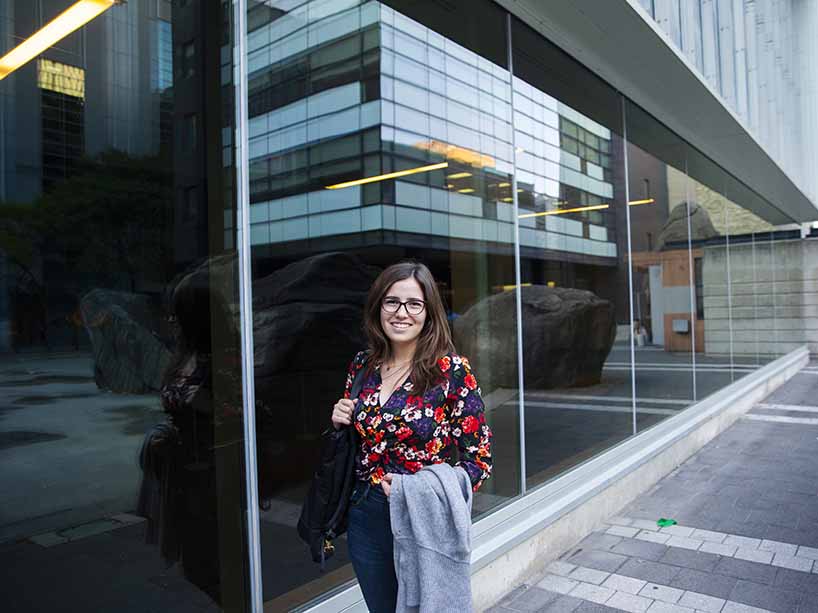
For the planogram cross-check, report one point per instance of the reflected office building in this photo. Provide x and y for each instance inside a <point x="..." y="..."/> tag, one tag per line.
<point x="616" y="199"/>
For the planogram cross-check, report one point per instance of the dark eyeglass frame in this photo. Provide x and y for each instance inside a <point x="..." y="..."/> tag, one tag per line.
<point x="405" y="305"/>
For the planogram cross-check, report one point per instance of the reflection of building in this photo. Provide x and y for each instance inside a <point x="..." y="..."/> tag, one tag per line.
<point x="364" y="92"/>
<point x="98" y="90"/>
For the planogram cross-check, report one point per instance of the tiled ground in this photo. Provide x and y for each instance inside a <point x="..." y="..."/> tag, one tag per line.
<point x="747" y="533"/>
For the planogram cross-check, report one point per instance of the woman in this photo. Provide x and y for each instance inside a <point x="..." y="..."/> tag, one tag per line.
<point x="419" y="404"/>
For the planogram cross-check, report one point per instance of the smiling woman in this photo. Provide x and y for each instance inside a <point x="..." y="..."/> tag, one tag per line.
<point x="420" y="405"/>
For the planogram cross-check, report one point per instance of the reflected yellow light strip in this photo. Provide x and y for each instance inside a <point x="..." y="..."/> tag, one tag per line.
<point x="510" y="288"/>
<point x="580" y="209"/>
<point x="58" y="28"/>
<point x="459" y="175"/>
<point x="391" y="175"/>
<point x="595" y="207"/>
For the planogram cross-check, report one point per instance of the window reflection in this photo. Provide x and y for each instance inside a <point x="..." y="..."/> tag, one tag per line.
<point x="370" y="94"/>
<point x="121" y="424"/>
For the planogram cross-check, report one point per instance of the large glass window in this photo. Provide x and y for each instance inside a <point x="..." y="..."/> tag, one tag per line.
<point x="121" y="420"/>
<point x="346" y="91"/>
<point x="664" y="221"/>
<point x="573" y="258"/>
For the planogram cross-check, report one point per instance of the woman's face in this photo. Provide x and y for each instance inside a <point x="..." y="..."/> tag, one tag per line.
<point x="402" y="326"/>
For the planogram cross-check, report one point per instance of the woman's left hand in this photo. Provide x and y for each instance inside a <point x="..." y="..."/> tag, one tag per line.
<point x="386" y="484"/>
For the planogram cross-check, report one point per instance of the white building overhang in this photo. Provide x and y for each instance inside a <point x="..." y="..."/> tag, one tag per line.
<point x="621" y="44"/>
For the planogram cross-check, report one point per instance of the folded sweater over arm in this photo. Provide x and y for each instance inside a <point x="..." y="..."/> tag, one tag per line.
<point x="430" y="513"/>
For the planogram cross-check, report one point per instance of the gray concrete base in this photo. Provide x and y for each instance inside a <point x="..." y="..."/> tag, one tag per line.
<point x="517" y="542"/>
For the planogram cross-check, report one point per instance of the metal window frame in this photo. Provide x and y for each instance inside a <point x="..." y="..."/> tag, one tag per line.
<point x="241" y="140"/>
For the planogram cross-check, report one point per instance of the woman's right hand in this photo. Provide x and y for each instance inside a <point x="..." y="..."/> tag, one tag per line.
<point x="342" y="412"/>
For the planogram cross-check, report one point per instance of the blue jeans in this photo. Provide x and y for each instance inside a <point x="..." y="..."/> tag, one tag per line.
<point x="369" y="534"/>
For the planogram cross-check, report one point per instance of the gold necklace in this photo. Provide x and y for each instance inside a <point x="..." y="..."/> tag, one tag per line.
<point x="388" y="368"/>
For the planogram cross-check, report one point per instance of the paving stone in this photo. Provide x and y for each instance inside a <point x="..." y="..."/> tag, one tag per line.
<point x="742" y="541"/>
<point x="804" y="535"/>
<point x="563" y="604"/>
<point x="622" y="583"/>
<point x="754" y="555"/>
<point x="533" y="599"/>
<point x="599" y="560"/>
<point x="804" y="583"/>
<point x="666" y="607"/>
<point x="765" y="597"/>
<point x="702" y="602"/>
<point x="719" y="549"/>
<point x="620" y="520"/>
<point x="647" y="524"/>
<point x="708" y="583"/>
<point x="777" y="547"/>
<point x="709" y="536"/>
<point x="677" y="531"/>
<point x="599" y="541"/>
<point x="652" y="537"/>
<point x="48" y="539"/>
<point x="594" y="593"/>
<point x="690" y="559"/>
<point x="792" y="562"/>
<point x="512" y="595"/>
<point x="560" y="567"/>
<point x="661" y="592"/>
<point x="592" y="607"/>
<point x="622" y="531"/>
<point x="737" y="607"/>
<point x="589" y="575"/>
<point x="807" y="552"/>
<point x="556" y="583"/>
<point x="749" y="571"/>
<point x="629" y="602"/>
<point x="684" y="542"/>
<point x="656" y="572"/>
<point x="808" y="604"/>
<point x="640" y="549"/>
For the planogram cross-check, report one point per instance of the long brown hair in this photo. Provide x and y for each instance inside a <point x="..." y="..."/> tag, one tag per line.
<point x="435" y="339"/>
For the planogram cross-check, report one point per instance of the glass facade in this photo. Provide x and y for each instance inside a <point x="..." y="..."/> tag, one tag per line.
<point x="121" y="429"/>
<point x="601" y="273"/>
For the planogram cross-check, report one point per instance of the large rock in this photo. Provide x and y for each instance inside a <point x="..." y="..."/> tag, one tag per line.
<point x="675" y="228"/>
<point x="567" y="335"/>
<point x="307" y="321"/>
<point x="129" y="356"/>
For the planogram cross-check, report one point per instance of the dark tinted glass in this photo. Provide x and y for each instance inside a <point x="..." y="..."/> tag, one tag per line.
<point x="121" y="418"/>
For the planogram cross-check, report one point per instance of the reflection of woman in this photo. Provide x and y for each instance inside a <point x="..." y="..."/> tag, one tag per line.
<point x="187" y="397"/>
<point x="419" y="404"/>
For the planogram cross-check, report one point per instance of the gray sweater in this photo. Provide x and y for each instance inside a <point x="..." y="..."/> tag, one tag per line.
<point x="431" y="524"/>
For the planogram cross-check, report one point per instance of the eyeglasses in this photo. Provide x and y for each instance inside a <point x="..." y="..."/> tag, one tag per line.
<point x="393" y="305"/>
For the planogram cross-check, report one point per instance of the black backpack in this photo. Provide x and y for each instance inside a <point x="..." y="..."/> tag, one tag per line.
<point x="324" y="514"/>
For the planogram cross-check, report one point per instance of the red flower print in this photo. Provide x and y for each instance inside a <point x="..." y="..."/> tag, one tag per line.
<point x="413" y="467"/>
<point x="440" y="414"/>
<point x="444" y="363"/>
<point x="434" y="446"/>
<point x="470" y="424"/>
<point x="403" y="433"/>
<point x="377" y="475"/>
<point x="373" y="457"/>
<point x="470" y="381"/>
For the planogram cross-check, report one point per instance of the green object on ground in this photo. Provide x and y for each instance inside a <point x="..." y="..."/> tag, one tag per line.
<point x="664" y="523"/>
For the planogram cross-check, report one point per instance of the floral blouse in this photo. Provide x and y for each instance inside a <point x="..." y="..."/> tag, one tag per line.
<point x="412" y="431"/>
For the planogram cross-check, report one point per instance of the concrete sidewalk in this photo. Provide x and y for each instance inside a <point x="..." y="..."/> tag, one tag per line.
<point x="747" y="534"/>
